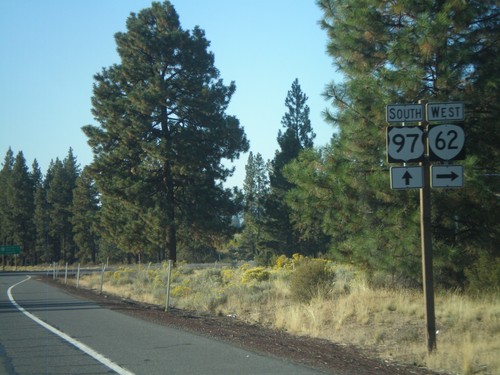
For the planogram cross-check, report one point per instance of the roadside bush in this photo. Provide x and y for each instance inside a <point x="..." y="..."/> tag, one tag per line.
<point x="255" y="273"/>
<point x="311" y="279"/>
<point x="484" y="275"/>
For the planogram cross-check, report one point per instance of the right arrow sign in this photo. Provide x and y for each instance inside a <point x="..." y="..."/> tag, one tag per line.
<point x="447" y="176"/>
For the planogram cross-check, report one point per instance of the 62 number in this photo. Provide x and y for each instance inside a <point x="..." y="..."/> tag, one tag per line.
<point x="451" y="137"/>
<point x="446" y="142"/>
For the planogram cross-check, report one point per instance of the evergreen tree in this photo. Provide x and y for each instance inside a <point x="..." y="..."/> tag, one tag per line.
<point x="61" y="181"/>
<point x="41" y="217"/>
<point x="37" y="186"/>
<point x="5" y="217"/>
<point x="401" y="52"/>
<point x="17" y="205"/>
<point x="21" y="207"/>
<point x="56" y="212"/>
<point x="121" y="224"/>
<point x="310" y="200"/>
<point x="84" y="218"/>
<point x="163" y="130"/>
<point x="256" y="192"/>
<point x="297" y="136"/>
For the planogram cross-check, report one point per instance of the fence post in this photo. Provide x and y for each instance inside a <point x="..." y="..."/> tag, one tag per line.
<point x="102" y="277"/>
<point x="78" y="277"/>
<point x="168" y="284"/>
<point x="66" y="274"/>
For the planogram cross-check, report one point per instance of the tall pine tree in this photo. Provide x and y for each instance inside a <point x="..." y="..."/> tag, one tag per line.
<point x="85" y="218"/>
<point x="40" y="216"/>
<point x="296" y="136"/>
<point x="60" y="183"/>
<point x="21" y="207"/>
<point x="256" y="193"/>
<point x="163" y="130"/>
<point x="5" y="218"/>
<point x="401" y="52"/>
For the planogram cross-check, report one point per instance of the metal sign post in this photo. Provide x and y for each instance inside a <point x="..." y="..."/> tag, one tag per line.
<point x="426" y="243"/>
<point x="426" y="144"/>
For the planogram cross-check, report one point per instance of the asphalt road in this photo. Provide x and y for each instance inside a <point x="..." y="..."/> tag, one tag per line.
<point x="44" y="330"/>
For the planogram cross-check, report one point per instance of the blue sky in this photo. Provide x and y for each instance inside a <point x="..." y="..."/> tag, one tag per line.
<point x="51" y="49"/>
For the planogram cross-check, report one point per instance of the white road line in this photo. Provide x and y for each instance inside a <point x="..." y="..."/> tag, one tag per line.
<point x="84" y="348"/>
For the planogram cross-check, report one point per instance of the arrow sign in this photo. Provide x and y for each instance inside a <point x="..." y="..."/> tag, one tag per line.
<point x="447" y="176"/>
<point x="450" y="176"/>
<point x="406" y="178"/>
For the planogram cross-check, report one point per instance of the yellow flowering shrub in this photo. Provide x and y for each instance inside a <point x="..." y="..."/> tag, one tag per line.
<point x="158" y="282"/>
<point x="180" y="291"/>
<point x="255" y="273"/>
<point x="281" y="261"/>
<point x="122" y="276"/>
<point x="227" y="275"/>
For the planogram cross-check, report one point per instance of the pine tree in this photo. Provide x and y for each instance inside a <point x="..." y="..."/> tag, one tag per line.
<point x="56" y="212"/>
<point x="61" y="181"/>
<point x="256" y="192"/>
<point x="37" y="186"/>
<point x="41" y="217"/>
<point x="163" y="130"/>
<point x="84" y="218"/>
<point x="5" y="217"/>
<point x="310" y="199"/>
<point x="401" y="52"/>
<point x="21" y="208"/>
<point x="297" y="136"/>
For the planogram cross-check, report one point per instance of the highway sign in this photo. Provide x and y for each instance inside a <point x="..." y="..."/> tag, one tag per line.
<point x="405" y="144"/>
<point x="10" y="250"/>
<point x="406" y="177"/>
<point x="447" y="176"/>
<point x="446" y="142"/>
<point x="450" y="111"/>
<point x="404" y="113"/>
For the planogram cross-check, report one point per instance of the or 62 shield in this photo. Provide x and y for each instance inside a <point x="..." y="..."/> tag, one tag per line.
<point x="446" y="142"/>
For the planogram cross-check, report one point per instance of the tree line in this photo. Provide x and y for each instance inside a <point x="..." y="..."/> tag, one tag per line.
<point x="38" y="212"/>
<point x="156" y="185"/>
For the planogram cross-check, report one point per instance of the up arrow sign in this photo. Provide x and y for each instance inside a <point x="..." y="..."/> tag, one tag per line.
<point x="406" y="177"/>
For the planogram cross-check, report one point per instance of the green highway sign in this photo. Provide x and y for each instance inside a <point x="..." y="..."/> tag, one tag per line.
<point x="10" y="249"/>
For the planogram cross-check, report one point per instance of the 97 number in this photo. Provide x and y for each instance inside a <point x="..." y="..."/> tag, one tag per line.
<point x="400" y="141"/>
<point x="404" y="144"/>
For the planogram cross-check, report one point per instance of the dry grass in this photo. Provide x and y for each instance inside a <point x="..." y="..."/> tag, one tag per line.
<point x="388" y="322"/>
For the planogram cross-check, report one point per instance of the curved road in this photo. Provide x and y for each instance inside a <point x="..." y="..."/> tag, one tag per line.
<point x="44" y="330"/>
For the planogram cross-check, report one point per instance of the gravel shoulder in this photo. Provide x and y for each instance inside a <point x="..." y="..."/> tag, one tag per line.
<point x="330" y="357"/>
